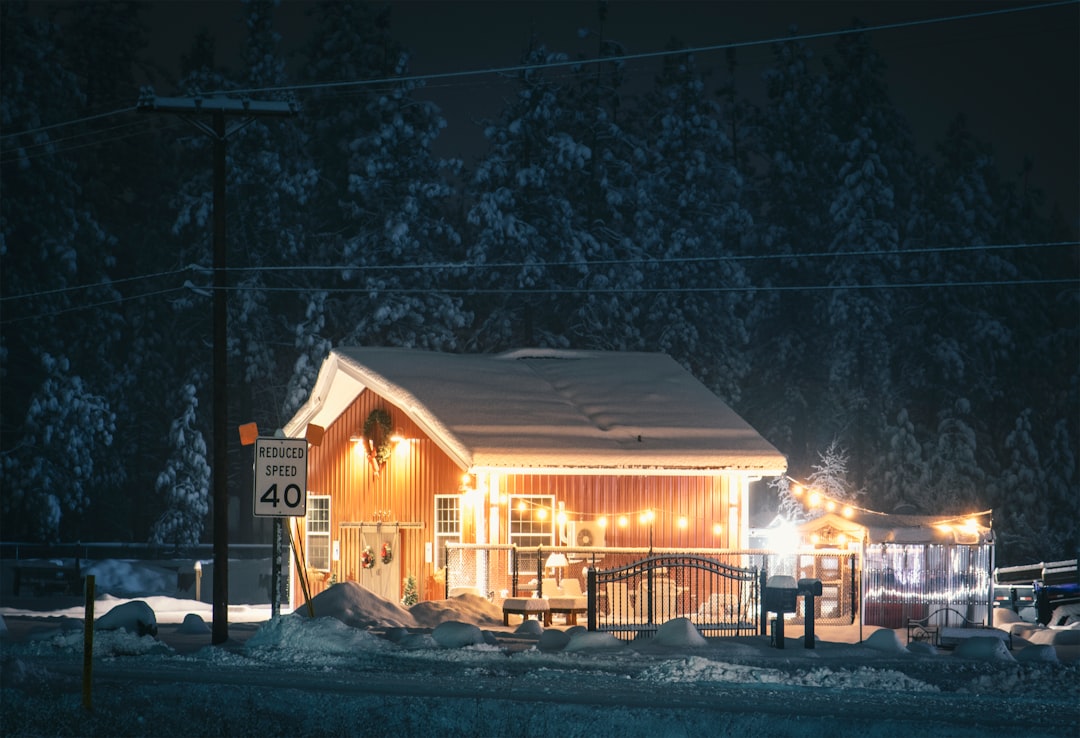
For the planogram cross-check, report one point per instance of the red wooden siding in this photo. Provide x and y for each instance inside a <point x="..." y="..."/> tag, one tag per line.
<point x="703" y="501"/>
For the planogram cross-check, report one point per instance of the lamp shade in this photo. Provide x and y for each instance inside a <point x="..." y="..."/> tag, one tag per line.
<point x="556" y="560"/>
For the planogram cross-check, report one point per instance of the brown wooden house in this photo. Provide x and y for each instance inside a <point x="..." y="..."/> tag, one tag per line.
<point x="532" y="447"/>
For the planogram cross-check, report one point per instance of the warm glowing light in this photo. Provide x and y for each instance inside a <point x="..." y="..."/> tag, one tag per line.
<point x="646" y="517"/>
<point x="682" y="522"/>
<point x="623" y="522"/>
<point x="797" y="490"/>
<point x="814" y="538"/>
<point x="541" y="513"/>
<point x="970" y="526"/>
<point x="602" y="521"/>
<point x="465" y="479"/>
<point x="502" y="498"/>
<point x="848" y="511"/>
<point x="944" y="527"/>
<point x="815" y="498"/>
<point x="830" y="506"/>
<point x="841" y="540"/>
<point x="521" y="506"/>
<point x="397" y="438"/>
<point x="717" y="529"/>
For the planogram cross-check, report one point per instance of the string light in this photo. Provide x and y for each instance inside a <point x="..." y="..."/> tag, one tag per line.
<point x="542" y="512"/>
<point x="811" y="497"/>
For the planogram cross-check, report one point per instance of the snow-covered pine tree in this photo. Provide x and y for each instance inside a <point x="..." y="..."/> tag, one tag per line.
<point x="184" y="483"/>
<point x="382" y="211"/>
<point x="689" y="222"/>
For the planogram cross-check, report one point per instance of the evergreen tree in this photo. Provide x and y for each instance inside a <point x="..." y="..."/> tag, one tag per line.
<point x="383" y="205"/>
<point x="184" y="485"/>
<point x="689" y="222"/>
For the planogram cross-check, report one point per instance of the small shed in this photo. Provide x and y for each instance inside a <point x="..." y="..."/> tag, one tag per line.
<point x="909" y="565"/>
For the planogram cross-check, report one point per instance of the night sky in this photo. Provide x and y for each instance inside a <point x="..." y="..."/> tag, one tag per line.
<point x="1015" y="75"/>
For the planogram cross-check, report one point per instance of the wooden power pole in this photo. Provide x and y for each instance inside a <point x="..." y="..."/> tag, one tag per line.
<point x="194" y="110"/>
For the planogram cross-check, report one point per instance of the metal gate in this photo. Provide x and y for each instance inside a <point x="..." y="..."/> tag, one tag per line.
<point x="634" y="599"/>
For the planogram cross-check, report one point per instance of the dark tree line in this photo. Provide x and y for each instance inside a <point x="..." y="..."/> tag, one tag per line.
<point x="844" y="292"/>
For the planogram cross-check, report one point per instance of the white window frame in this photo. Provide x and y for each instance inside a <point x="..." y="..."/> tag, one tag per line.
<point x="532" y="501"/>
<point x="449" y="535"/>
<point x="317" y="530"/>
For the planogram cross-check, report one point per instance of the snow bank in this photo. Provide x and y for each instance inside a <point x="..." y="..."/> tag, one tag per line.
<point x="358" y="607"/>
<point x="135" y="617"/>
<point x="983" y="648"/>
<point x="305" y="639"/>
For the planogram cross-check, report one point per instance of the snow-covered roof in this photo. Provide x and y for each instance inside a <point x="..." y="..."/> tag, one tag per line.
<point x="549" y="411"/>
<point x="899" y="528"/>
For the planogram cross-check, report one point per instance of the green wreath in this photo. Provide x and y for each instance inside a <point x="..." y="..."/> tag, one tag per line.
<point x="378" y="450"/>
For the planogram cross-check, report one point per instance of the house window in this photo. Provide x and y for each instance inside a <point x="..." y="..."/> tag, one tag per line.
<point x="447" y="525"/>
<point x="318" y="532"/>
<point x="532" y="520"/>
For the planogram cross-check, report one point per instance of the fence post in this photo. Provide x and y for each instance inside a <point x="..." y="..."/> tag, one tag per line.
<point x="763" y="577"/>
<point x="591" y="587"/>
<point x="855" y="594"/>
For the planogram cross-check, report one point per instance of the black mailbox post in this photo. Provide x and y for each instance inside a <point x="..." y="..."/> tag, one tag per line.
<point x="780" y="595"/>
<point x="809" y="589"/>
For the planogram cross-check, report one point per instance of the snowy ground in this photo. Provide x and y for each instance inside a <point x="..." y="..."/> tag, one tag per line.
<point x="365" y="666"/>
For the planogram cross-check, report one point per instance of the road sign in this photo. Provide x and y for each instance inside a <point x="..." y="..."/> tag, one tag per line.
<point x="280" y="477"/>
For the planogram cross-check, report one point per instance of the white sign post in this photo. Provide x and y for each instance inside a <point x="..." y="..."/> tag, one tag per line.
<point x="280" y="491"/>
<point x="280" y="477"/>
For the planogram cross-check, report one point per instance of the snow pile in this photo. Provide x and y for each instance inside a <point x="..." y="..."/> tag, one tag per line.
<point x="983" y="648"/>
<point x="130" y="578"/>
<point x="468" y="607"/>
<point x="301" y="639"/>
<point x="135" y="617"/>
<point x="357" y="607"/>
<point x="454" y="634"/>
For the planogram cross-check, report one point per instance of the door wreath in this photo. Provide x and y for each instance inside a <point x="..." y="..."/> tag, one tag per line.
<point x="367" y="558"/>
<point x="378" y="443"/>
<point x="387" y="553"/>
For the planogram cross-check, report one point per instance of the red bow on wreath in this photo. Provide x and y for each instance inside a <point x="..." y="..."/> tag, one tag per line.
<point x="387" y="553"/>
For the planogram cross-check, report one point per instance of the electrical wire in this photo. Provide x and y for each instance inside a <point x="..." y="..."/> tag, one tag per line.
<point x="516" y="265"/>
<point x="577" y="62"/>
<point x="646" y="54"/>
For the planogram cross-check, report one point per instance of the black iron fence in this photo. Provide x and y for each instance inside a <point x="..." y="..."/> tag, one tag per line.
<point x="719" y="597"/>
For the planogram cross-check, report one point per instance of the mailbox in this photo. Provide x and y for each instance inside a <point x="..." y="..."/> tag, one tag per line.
<point x="811" y="587"/>
<point x="780" y="594"/>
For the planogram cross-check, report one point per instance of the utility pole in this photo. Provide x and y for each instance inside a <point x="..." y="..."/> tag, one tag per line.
<point x="193" y="109"/>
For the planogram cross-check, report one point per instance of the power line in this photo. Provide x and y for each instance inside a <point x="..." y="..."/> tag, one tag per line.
<point x="90" y="306"/>
<point x="634" y="290"/>
<point x="86" y="119"/>
<point x="546" y="264"/>
<point x="111" y="283"/>
<point x="646" y="54"/>
<point x="578" y="62"/>
<point x="654" y="260"/>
